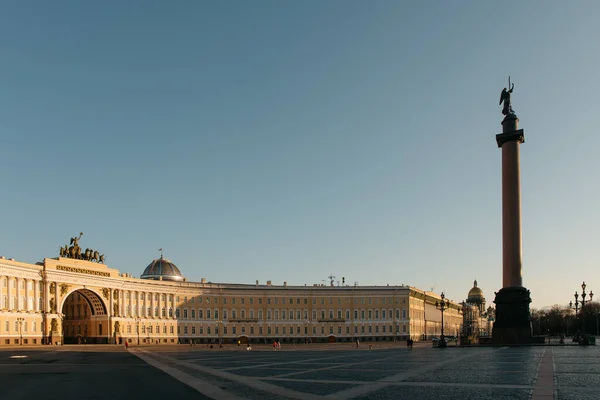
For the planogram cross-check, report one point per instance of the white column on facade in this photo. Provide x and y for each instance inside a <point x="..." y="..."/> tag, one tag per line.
<point x="152" y="304"/>
<point x="56" y="297"/>
<point x="46" y="297"/>
<point x="8" y="294"/>
<point x="110" y="304"/>
<point x="121" y="303"/>
<point x="160" y="305"/>
<point x="17" y="294"/>
<point x="27" y="294"/>
<point x="145" y="313"/>
<point x="36" y="294"/>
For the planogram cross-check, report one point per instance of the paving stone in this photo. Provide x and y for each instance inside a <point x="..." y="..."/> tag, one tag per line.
<point x="437" y="393"/>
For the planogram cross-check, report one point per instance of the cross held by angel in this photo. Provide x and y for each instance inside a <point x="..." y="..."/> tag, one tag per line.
<point x="505" y="97"/>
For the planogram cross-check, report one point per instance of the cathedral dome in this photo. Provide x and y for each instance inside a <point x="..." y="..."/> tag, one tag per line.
<point x="162" y="269"/>
<point x="475" y="293"/>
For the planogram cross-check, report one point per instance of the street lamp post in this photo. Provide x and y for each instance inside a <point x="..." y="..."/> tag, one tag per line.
<point x="583" y="340"/>
<point x="137" y="323"/>
<point x="219" y="325"/>
<point x="442" y="305"/>
<point x="306" y="324"/>
<point x="20" y="322"/>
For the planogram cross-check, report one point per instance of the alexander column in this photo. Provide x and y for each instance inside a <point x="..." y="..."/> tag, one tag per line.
<point x="512" y="323"/>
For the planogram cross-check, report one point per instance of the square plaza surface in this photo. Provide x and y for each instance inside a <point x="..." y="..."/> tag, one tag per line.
<point x="309" y="372"/>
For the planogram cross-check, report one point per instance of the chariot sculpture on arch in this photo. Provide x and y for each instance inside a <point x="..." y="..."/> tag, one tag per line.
<point x="72" y="250"/>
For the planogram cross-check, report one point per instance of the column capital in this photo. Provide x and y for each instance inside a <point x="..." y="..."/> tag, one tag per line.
<point x="517" y="135"/>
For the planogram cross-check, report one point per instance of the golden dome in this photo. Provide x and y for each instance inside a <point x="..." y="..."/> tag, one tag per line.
<point x="475" y="292"/>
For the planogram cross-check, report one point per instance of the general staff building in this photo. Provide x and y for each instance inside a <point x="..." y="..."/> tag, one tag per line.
<point x="72" y="300"/>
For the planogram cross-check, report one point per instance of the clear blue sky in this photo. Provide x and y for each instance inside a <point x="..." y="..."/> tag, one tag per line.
<point x="284" y="141"/>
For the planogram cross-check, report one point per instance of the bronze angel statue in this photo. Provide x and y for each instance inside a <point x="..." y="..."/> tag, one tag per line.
<point x="505" y="97"/>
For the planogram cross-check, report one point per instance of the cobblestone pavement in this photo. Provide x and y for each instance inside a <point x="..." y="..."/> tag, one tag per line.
<point x="537" y="372"/>
<point x="324" y="372"/>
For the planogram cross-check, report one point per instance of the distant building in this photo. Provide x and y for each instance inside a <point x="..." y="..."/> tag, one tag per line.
<point x="68" y="300"/>
<point x="478" y="320"/>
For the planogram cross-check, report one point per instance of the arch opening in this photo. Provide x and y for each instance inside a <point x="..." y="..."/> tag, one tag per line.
<point x="84" y="318"/>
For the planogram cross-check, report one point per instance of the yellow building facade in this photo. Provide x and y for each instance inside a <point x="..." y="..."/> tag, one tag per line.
<point x="70" y="300"/>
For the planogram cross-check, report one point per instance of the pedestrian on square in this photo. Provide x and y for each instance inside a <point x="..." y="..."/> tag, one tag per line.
<point x="126" y="344"/>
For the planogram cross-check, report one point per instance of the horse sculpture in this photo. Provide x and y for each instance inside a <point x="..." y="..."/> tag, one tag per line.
<point x="74" y="251"/>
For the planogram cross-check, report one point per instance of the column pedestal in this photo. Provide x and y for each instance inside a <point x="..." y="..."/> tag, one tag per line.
<point x="512" y="325"/>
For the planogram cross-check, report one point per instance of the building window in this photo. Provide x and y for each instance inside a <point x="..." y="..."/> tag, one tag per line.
<point x="185" y="330"/>
<point x="171" y="329"/>
<point x="259" y="301"/>
<point x="177" y="313"/>
<point x="185" y="313"/>
<point x="193" y="313"/>
<point x="200" y="314"/>
<point x="207" y="314"/>
<point x="193" y="328"/>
